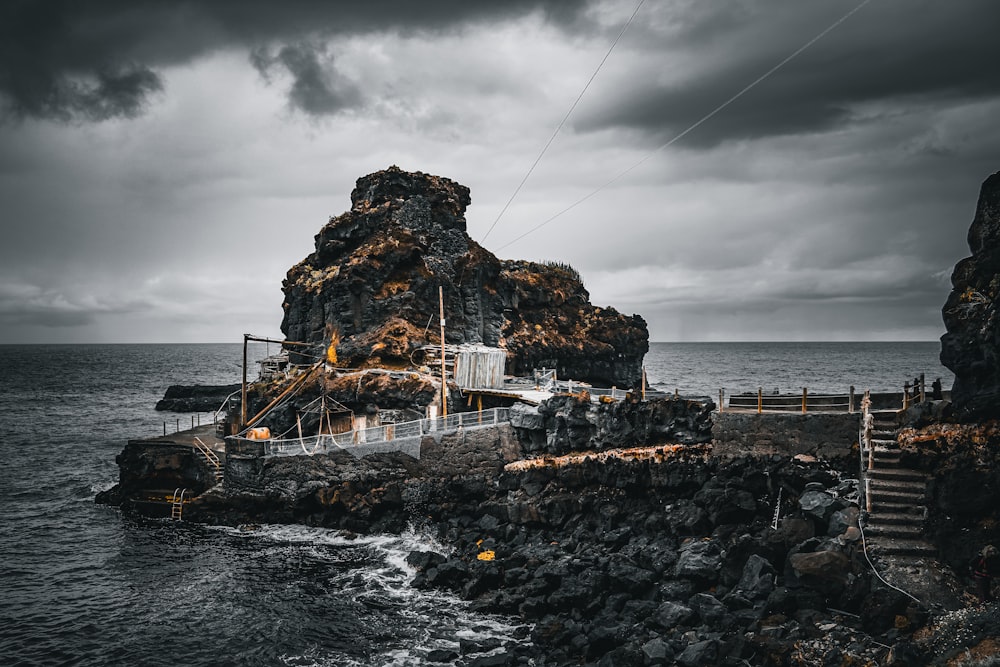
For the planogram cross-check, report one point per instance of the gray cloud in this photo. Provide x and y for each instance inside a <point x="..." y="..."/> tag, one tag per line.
<point x="98" y="60"/>
<point x="886" y="51"/>
<point x="317" y="88"/>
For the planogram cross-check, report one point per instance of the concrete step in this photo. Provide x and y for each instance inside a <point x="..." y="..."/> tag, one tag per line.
<point x="884" y="433"/>
<point x="881" y="485"/>
<point x="880" y="500"/>
<point x="890" y="507"/>
<point x="896" y="530"/>
<point x="885" y="443"/>
<point x="897" y="474"/>
<point x="885" y="460"/>
<point x="888" y="518"/>
<point x="896" y="546"/>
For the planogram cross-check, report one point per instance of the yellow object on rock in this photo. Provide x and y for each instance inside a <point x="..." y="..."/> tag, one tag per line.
<point x="486" y="555"/>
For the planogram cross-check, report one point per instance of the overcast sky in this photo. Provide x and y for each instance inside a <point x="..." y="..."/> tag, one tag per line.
<point x="163" y="164"/>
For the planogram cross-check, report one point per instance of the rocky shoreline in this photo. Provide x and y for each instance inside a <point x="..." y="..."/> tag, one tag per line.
<point x="620" y="532"/>
<point x="631" y="554"/>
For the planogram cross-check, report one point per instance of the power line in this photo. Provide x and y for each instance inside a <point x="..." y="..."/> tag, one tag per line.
<point x="693" y="126"/>
<point x="563" y="121"/>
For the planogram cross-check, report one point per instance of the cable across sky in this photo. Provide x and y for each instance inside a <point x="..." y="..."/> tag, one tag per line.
<point x="563" y="121"/>
<point x="687" y="131"/>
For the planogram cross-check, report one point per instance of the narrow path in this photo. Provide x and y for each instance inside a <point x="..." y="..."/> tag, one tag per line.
<point x="894" y="530"/>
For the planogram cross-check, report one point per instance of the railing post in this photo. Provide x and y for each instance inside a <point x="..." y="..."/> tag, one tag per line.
<point x="805" y="399"/>
<point x="164" y="428"/>
<point x="722" y="400"/>
<point x="178" y="424"/>
<point x="850" y="401"/>
<point x="760" y="400"/>
<point x="923" y="389"/>
<point x="906" y="394"/>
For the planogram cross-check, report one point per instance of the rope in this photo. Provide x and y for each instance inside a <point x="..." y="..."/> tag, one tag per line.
<point x="693" y="126"/>
<point x="562" y="122"/>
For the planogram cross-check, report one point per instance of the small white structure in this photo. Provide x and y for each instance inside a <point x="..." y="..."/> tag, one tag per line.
<point x="480" y="367"/>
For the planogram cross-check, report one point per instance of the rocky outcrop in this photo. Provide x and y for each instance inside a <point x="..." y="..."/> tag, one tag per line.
<point x="196" y="397"/>
<point x="371" y="286"/>
<point x="970" y="347"/>
<point x="567" y="423"/>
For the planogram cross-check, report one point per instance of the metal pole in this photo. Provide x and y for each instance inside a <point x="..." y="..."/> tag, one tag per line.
<point x="243" y="387"/>
<point x="444" y="380"/>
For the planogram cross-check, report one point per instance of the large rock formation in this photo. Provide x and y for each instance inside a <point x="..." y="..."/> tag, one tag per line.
<point x="971" y="347"/>
<point x="372" y="284"/>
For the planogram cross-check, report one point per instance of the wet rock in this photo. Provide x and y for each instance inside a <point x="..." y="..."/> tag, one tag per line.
<point x="817" y="504"/>
<point x="699" y="653"/>
<point x="699" y="559"/>
<point x="671" y="614"/>
<point x="658" y="652"/>
<point x="710" y="611"/>
<point x="757" y="580"/>
<point x="826" y="571"/>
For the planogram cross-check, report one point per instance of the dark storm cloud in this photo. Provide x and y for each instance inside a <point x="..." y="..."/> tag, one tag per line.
<point x="29" y="305"/>
<point x="97" y="60"/>
<point x="888" y="50"/>
<point x="317" y="88"/>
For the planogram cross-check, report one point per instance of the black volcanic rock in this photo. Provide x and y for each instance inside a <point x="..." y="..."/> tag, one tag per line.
<point x="971" y="346"/>
<point x="372" y="284"/>
<point x="195" y="398"/>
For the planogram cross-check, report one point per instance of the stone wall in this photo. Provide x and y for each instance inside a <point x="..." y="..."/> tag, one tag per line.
<point x="825" y="435"/>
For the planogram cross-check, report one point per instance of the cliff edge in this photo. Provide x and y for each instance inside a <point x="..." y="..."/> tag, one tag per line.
<point x="371" y="286"/>
<point x="969" y="348"/>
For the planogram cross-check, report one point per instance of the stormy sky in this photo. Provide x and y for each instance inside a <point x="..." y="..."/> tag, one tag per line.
<point x="163" y="164"/>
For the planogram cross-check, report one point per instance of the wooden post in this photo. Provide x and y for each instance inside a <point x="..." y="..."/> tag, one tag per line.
<point x="923" y="389"/>
<point x="677" y="392"/>
<point x="479" y="405"/>
<point x="760" y="400"/>
<point x="722" y="400"/>
<point x="805" y="399"/>
<point x="444" y="379"/>
<point x="850" y="400"/>
<point x="644" y="383"/>
<point x="243" y="387"/>
<point x="906" y="394"/>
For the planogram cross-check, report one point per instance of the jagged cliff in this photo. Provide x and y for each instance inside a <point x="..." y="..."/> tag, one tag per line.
<point x="972" y="342"/>
<point x="372" y="284"/>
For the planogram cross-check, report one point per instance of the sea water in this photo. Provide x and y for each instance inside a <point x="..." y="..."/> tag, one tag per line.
<point x="82" y="584"/>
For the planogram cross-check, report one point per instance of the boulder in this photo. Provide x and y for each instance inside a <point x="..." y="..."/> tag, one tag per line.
<point x="699" y="559"/>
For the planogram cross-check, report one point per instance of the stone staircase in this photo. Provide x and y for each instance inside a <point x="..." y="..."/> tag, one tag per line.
<point x="896" y="497"/>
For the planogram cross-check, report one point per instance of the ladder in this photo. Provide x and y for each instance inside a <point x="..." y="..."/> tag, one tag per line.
<point x="211" y="457"/>
<point x="177" y="504"/>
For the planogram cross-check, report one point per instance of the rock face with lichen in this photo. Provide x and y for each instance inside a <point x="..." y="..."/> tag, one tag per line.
<point x="971" y="347"/>
<point x="371" y="287"/>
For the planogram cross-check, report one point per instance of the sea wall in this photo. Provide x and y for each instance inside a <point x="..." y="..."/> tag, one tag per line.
<point x="824" y="435"/>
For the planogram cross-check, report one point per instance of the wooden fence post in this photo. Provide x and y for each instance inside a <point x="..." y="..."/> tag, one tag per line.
<point x="722" y="400"/>
<point x="850" y="401"/>
<point x="805" y="398"/>
<point x="760" y="400"/>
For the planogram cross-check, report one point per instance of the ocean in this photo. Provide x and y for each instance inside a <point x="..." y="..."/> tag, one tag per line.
<point x="80" y="584"/>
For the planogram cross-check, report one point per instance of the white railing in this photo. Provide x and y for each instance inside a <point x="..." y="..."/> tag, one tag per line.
<point x="403" y="437"/>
